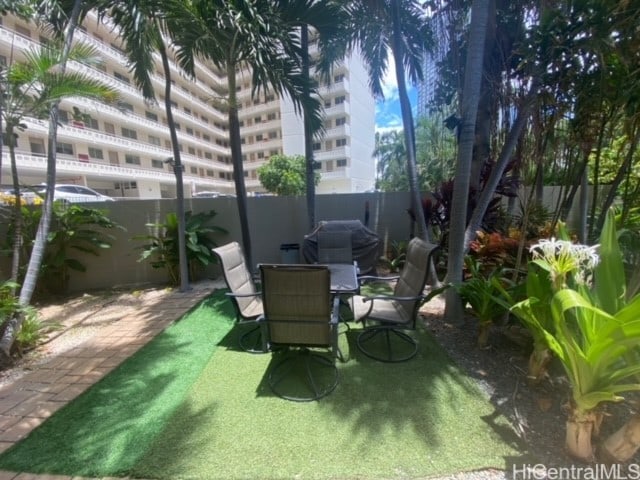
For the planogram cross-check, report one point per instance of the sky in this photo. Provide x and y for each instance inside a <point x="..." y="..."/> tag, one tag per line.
<point x="388" y="116"/>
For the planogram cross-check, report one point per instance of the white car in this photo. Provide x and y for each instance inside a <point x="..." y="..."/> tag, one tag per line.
<point x="67" y="193"/>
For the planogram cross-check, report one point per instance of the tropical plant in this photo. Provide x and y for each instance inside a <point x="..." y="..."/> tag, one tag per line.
<point x="75" y="229"/>
<point x="285" y="175"/>
<point x="33" y="331"/>
<point x="241" y="34"/>
<point x="488" y="295"/>
<point x="593" y="329"/>
<point x="396" y="256"/>
<point x="30" y="89"/>
<point x="162" y="249"/>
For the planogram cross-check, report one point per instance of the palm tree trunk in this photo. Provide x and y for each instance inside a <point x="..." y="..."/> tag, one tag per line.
<point x="505" y="156"/>
<point x="177" y="170"/>
<point x="308" y="133"/>
<point x="238" y="168"/>
<point x="622" y="445"/>
<point x="580" y="429"/>
<point x="407" y="122"/>
<point x="470" y="100"/>
<point x="17" y="208"/>
<point x="37" y="254"/>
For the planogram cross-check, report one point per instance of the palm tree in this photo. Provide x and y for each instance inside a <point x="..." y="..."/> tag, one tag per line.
<point x="470" y="100"/>
<point x="144" y="31"/>
<point x="400" y="27"/>
<point x="64" y="26"/>
<point x="240" y="34"/>
<point x="30" y="89"/>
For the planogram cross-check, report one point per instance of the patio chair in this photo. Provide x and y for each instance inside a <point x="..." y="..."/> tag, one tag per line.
<point x="300" y="316"/>
<point x="246" y="300"/>
<point x="385" y="339"/>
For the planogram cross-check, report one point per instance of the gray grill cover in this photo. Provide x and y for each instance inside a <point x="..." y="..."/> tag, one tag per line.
<point x="363" y="241"/>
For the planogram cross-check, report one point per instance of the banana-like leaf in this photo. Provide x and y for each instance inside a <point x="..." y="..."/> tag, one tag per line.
<point x="610" y="285"/>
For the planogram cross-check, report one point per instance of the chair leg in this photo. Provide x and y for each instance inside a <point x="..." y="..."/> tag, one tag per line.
<point x="251" y="341"/>
<point x="392" y="340"/>
<point x="303" y="376"/>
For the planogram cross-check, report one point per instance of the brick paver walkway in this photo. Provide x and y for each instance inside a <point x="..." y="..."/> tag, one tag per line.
<point x="30" y="400"/>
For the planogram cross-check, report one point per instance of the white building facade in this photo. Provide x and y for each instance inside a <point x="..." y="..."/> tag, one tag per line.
<point x="122" y="150"/>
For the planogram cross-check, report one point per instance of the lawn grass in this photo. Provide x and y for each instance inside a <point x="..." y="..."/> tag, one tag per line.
<point x="105" y="430"/>
<point x="177" y="411"/>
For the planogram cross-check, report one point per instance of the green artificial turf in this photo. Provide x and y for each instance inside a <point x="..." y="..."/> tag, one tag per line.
<point x="105" y="430"/>
<point x="177" y="411"/>
<point x="411" y="420"/>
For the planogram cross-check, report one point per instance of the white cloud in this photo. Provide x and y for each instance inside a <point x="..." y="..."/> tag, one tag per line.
<point x="389" y="82"/>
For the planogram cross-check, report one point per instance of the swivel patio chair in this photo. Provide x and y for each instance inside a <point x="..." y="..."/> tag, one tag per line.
<point x="246" y="299"/>
<point x="299" y="319"/>
<point x="385" y="339"/>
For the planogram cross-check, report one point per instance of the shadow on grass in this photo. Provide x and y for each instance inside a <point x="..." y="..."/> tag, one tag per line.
<point x="106" y="429"/>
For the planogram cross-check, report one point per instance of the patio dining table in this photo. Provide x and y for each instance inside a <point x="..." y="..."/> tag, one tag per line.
<point x="344" y="278"/>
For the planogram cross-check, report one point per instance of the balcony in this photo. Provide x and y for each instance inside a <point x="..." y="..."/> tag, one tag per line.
<point x="337" y="174"/>
<point x="259" y="127"/>
<point x="340" y="131"/>
<point x="340" y="109"/>
<point x="338" y="87"/>
<point x="336" y="153"/>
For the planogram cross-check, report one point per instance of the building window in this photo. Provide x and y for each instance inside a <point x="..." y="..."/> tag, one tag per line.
<point x="271" y="116"/>
<point x="177" y="126"/>
<point x="208" y="155"/>
<point x="132" y="159"/>
<point x="341" y="121"/>
<point x="316" y="146"/>
<point x="153" y="140"/>
<point x="187" y="110"/>
<point x="64" y="148"/>
<point x="63" y="116"/>
<point x="121" y="77"/>
<point x="257" y="119"/>
<point x="113" y="158"/>
<point x="206" y="137"/>
<point x="341" y="142"/>
<point x="273" y="135"/>
<point x="129" y="133"/>
<point x="190" y="131"/>
<point x="274" y="152"/>
<point x="328" y="145"/>
<point x="259" y="137"/>
<point x="204" y="119"/>
<point x="193" y="170"/>
<point x="109" y="128"/>
<point x="329" y="165"/>
<point x="191" y="150"/>
<point x="37" y="146"/>
<point x="342" y="162"/>
<point x="317" y="166"/>
<point x="339" y="100"/>
<point x="260" y="155"/>
<point x="210" y="173"/>
<point x="25" y="32"/>
<point x="338" y="78"/>
<point x="157" y="163"/>
<point x="151" y="116"/>
<point x="125" y="106"/>
<point x="95" y="153"/>
<point x="92" y="123"/>
<point x="327" y="103"/>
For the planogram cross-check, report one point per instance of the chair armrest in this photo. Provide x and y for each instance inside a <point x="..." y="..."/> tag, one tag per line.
<point x="392" y="297"/>
<point x="384" y="279"/>
<point x="335" y="310"/>
<point x="242" y="295"/>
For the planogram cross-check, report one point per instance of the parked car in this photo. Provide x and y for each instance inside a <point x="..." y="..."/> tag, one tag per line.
<point x="67" y="193"/>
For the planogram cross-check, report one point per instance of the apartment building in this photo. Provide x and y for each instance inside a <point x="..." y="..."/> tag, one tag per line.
<point x="123" y="150"/>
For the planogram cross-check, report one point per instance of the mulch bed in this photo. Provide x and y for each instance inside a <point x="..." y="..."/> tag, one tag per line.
<point x="538" y="412"/>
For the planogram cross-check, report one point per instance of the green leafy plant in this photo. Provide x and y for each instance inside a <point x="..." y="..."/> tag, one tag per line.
<point x="594" y="331"/>
<point x="488" y="296"/>
<point x="162" y="246"/>
<point x="76" y="229"/>
<point x="396" y="256"/>
<point x="32" y="331"/>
